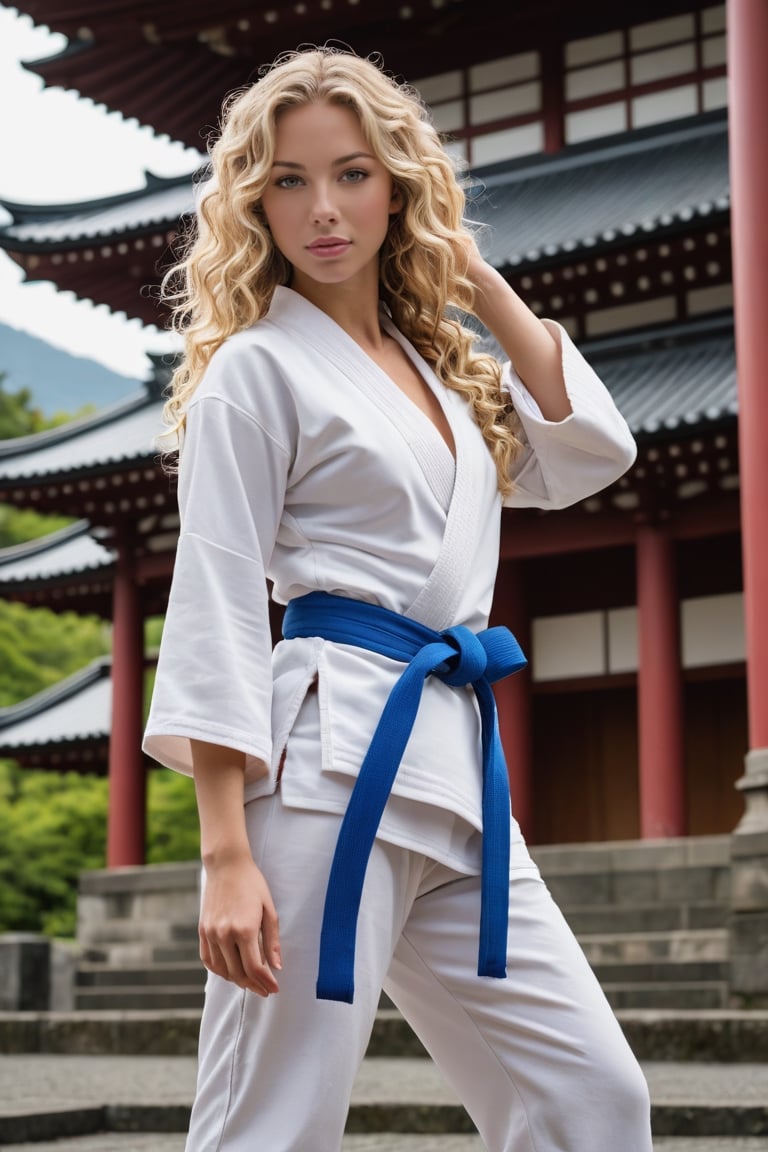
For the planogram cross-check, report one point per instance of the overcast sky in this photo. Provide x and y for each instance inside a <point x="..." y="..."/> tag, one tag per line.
<point x="58" y="148"/>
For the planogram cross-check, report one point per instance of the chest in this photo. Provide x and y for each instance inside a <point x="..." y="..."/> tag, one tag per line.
<point x="394" y="362"/>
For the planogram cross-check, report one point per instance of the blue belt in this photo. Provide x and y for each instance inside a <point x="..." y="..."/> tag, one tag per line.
<point x="458" y="657"/>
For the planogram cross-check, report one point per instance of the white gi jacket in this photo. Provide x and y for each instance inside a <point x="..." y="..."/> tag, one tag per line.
<point x="304" y="465"/>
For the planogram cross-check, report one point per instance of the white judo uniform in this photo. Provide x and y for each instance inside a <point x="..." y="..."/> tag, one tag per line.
<point x="306" y="468"/>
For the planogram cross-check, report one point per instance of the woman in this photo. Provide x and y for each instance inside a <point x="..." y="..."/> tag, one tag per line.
<point x="343" y="442"/>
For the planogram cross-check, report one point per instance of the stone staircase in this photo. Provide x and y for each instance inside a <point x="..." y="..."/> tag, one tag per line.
<point x="652" y="917"/>
<point x="116" y="1072"/>
<point x="113" y="1081"/>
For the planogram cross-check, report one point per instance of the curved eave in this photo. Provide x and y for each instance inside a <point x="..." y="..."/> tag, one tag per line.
<point x="677" y="379"/>
<point x="161" y="204"/>
<point x="117" y="438"/>
<point x="76" y="710"/>
<point x="610" y="239"/>
<point x="67" y="558"/>
<point x="603" y="195"/>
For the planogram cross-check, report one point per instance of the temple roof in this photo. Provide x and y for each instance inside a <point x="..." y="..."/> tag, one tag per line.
<point x="157" y="205"/>
<point x="677" y="379"/>
<point x="106" y="469"/>
<point x="584" y="197"/>
<point x="70" y="719"/>
<point x="145" y="59"/>
<point x="123" y="434"/>
<point x="605" y="194"/>
<point x="70" y="551"/>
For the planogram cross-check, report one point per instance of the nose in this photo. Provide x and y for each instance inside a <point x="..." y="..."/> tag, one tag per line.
<point x="324" y="210"/>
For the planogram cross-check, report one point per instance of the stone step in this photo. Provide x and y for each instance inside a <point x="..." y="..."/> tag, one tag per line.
<point x="680" y="947"/>
<point x="590" y="919"/>
<point x="176" y="953"/>
<point x="663" y="972"/>
<point x="720" y="1036"/>
<point x="678" y="944"/>
<point x="667" y="994"/>
<point x="690" y="995"/>
<point x="89" y="975"/>
<point x="123" y="941"/>
<point x="47" y="1097"/>
<point x="140" y="996"/>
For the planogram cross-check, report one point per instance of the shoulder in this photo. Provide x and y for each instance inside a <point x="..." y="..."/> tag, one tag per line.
<point x="247" y="376"/>
<point x="250" y="371"/>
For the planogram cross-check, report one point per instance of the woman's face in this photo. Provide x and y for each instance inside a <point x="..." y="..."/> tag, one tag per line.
<point x="328" y="200"/>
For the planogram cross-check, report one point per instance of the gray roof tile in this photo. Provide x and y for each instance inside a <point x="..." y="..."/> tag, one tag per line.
<point x="70" y="551"/>
<point x="584" y="198"/>
<point x="158" y="205"/>
<point x="679" y="379"/>
<point x="77" y="708"/>
<point x="123" y="433"/>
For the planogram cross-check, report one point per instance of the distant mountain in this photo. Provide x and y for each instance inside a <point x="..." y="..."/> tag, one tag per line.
<point x="58" y="381"/>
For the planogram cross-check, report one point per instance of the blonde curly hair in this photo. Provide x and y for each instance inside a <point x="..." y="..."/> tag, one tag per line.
<point x="228" y="266"/>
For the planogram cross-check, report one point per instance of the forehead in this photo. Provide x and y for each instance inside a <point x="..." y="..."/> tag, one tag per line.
<point x="318" y="127"/>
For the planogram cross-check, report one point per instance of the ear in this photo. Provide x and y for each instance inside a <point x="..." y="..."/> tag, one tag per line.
<point x="395" y="201"/>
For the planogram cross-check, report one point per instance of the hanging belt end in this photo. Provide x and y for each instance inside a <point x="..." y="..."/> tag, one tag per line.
<point x="493" y="968"/>
<point x="330" y="990"/>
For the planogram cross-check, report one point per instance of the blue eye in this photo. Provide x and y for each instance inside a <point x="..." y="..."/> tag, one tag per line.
<point x="288" y="182"/>
<point x="355" y="175"/>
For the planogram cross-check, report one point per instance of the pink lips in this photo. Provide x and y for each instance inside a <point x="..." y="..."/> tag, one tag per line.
<point x="328" y="246"/>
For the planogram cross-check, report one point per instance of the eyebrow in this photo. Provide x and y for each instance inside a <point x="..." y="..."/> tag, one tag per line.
<point x="335" y="163"/>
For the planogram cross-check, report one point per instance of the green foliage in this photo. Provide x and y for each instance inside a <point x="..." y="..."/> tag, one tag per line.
<point x="39" y="647"/>
<point x="53" y="827"/>
<point x="18" y="525"/>
<point x="19" y="416"/>
<point x="173" y="831"/>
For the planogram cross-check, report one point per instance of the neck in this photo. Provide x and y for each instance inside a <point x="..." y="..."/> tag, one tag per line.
<point x="353" y="307"/>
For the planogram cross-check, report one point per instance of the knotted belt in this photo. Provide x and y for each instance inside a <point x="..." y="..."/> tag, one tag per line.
<point x="458" y="657"/>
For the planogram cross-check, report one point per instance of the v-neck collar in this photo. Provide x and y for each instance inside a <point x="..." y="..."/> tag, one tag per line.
<point x="308" y="322"/>
<point x="459" y="487"/>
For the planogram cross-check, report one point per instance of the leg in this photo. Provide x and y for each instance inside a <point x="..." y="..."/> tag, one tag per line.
<point x="538" y="1058"/>
<point x="278" y="1073"/>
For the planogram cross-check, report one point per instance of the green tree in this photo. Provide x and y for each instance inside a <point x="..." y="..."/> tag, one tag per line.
<point x="53" y="827"/>
<point x="39" y="647"/>
<point x="17" y="525"/>
<point x="20" y="416"/>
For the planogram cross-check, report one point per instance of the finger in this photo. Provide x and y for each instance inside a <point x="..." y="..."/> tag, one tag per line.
<point x="257" y="971"/>
<point x="237" y="958"/>
<point x="270" y="937"/>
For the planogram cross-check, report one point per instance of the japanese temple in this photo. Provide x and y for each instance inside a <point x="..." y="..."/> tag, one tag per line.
<point x="619" y="156"/>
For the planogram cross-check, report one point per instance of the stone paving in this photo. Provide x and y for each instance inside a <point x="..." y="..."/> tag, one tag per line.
<point x="34" y="1084"/>
<point x="151" y="1142"/>
<point x="29" y="1082"/>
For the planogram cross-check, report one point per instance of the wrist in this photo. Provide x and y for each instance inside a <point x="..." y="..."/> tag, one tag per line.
<point x="216" y="857"/>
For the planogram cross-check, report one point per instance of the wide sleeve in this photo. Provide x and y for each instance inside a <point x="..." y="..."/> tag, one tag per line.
<point x="566" y="461"/>
<point x="214" y="676"/>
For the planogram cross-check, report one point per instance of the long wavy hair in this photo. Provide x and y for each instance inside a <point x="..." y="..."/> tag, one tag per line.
<point x="229" y="267"/>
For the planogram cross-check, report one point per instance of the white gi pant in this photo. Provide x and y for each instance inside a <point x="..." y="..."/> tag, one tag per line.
<point x="538" y="1059"/>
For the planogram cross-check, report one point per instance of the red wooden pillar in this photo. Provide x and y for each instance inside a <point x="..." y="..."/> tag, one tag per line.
<point x="659" y="689"/>
<point x="513" y="695"/>
<point x="748" y="107"/>
<point x="127" y="776"/>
